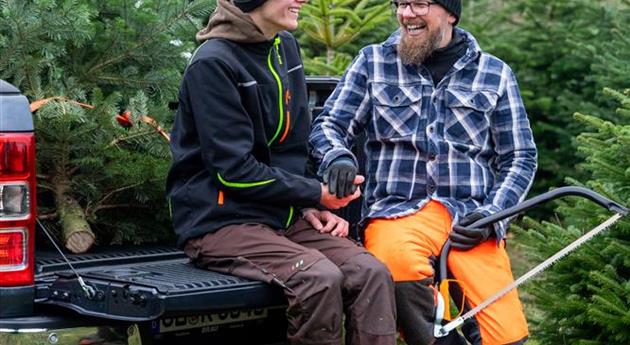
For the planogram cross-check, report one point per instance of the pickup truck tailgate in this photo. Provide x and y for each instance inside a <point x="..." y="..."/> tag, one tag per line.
<point x="144" y="284"/>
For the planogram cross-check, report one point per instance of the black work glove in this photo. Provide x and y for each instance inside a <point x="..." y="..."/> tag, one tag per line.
<point x="464" y="237"/>
<point x="339" y="176"/>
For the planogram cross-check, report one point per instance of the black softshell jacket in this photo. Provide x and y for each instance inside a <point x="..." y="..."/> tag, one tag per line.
<point x="239" y="140"/>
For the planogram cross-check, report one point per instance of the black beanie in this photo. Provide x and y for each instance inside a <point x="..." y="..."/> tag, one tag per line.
<point x="248" y="5"/>
<point x="453" y="6"/>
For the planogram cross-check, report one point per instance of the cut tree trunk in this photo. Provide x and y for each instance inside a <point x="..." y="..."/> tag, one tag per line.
<point x="77" y="235"/>
<point x="76" y="232"/>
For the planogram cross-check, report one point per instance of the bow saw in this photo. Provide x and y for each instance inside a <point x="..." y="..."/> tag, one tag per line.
<point x="440" y="330"/>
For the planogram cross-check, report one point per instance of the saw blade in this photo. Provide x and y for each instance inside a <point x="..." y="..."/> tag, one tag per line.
<point x="442" y="331"/>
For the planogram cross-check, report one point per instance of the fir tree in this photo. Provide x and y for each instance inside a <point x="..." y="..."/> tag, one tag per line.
<point x="331" y="25"/>
<point x="585" y="298"/>
<point x="102" y="73"/>
<point x="563" y="53"/>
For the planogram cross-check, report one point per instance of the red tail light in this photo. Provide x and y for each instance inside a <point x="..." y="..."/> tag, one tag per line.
<point x="13" y="157"/>
<point x="13" y="248"/>
<point x="17" y="208"/>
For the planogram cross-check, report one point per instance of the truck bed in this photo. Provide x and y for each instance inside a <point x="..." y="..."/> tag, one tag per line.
<point x="141" y="284"/>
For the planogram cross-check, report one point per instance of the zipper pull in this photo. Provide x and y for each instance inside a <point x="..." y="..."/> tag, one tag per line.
<point x="276" y="44"/>
<point x="220" y="198"/>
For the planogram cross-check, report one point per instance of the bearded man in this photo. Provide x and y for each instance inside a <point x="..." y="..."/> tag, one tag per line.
<point x="447" y="142"/>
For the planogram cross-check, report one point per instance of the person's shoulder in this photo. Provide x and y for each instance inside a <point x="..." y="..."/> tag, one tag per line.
<point x="492" y="64"/>
<point x="493" y="59"/>
<point x="214" y="49"/>
<point x="373" y="52"/>
<point x="286" y="36"/>
<point x="288" y="40"/>
<point x="372" y="49"/>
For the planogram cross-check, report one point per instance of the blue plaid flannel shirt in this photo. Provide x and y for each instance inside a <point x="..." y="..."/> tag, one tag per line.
<point x="466" y="142"/>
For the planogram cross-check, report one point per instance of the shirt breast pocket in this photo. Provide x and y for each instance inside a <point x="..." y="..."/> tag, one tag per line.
<point x="397" y="110"/>
<point x="467" y="120"/>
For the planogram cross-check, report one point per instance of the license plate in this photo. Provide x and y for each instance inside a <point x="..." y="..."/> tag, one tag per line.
<point x="181" y="323"/>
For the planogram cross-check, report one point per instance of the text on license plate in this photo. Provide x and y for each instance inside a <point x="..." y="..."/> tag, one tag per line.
<point x="180" y="323"/>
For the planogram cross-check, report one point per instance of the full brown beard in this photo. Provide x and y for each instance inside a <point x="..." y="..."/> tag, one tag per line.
<point x="414" y="51"/>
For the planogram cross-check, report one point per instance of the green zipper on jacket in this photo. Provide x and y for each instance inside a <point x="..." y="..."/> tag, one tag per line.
<point x="290" y="217"/>
<point x="243" y="184"/>
<point x="275" y="47"/>
<point x="249" y="185"/>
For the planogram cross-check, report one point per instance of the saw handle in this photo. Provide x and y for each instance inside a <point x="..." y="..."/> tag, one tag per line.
<point x="529" y="203"/>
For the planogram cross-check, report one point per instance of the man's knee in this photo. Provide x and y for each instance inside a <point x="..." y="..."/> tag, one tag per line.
<point x="366" y="275"/>
<point x="377" y="270"/>
<point x="408" y="264"/>
<point x="321" y="276"/>
<point x="329" y="276"/>
<point x="366" y="268"/>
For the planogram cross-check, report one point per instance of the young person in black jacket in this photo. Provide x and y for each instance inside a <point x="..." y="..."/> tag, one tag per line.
<point x="238" y="181"/>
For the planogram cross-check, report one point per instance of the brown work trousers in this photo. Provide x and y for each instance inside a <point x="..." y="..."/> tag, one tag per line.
<point x="322" y="276"/>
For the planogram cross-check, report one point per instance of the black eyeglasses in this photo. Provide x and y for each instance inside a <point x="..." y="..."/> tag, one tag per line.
<point x="419" y="8"/>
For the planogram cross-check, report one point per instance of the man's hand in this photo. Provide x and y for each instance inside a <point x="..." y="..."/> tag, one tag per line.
<point x="339" y="176"/>
<point x="331" y="201"/>
<point x="326" y="222"/>
<point x="466" y="238"/>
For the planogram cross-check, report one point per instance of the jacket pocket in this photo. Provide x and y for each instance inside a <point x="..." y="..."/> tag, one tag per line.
<point x="397" y="110"/>
<point x="467" y="120"/>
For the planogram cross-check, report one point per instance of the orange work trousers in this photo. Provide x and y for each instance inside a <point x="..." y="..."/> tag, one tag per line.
<point x="406" y="245"/>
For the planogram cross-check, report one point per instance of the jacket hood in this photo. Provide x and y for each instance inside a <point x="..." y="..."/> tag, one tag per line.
<point x="229" y="22"/>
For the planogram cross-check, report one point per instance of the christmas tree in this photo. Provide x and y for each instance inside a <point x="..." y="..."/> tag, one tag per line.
<point x="100" y="75"/>
<point x="563" y="53"/>
<point x="331" y="26"/>
<point x="585" y="298"/>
